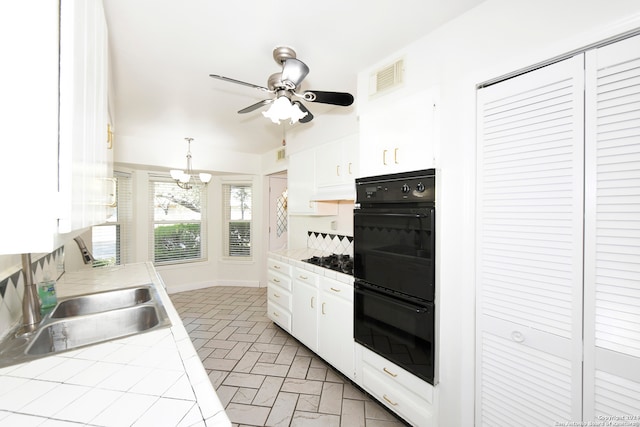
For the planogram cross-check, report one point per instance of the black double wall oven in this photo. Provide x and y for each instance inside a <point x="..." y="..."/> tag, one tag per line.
<point x="394" y="269"/>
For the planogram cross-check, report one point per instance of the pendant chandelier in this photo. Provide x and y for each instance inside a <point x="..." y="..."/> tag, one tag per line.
<point x="186" y="180"/>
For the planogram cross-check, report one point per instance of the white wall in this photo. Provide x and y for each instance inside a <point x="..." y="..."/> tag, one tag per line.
<point x="497" y="37"/>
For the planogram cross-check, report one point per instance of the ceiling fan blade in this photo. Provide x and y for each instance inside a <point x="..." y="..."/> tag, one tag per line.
<point x="230" y="80"/>
<point x="308" y="117"/>
<point x="335" y="98"/>
<point x="293" y="72"/>
<point x="255" y="106"/>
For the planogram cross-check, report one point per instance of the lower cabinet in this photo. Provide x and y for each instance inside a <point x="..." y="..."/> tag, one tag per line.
<point x="279" y="298"/>
<point x="305" y="307"/>
<point x="397" y="389"/>
<point x="335" y="325"/>
<point x="323" y="318"/>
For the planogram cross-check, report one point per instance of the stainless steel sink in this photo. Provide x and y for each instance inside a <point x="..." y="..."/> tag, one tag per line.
<point x="88" y="319"/>
<point x="102" y="301"/>
<point x="91" y="329"/>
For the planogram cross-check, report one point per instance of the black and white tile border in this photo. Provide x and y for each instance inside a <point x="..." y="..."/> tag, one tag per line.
<point x="334" y="243"/>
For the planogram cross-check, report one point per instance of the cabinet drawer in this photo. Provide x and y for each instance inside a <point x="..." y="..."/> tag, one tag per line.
<point x="397" y="398"/>
<point x="279" y="266"/>
<point x="280" y="297"/>
<point x="279" y="316"/>
<point x="338" y="289"/>
<point x="305" y="276"/>
<point x="278" y="279"/>
<point x="397" y="375"/>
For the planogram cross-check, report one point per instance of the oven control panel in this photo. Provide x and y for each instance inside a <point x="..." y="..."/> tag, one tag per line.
<point x="417" y="187"/>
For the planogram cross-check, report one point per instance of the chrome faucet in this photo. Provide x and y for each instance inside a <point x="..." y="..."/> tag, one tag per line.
<point x="30" y="302"/>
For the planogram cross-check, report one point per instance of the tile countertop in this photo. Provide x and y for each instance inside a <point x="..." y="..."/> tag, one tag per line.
<point x="295" y="256"/>
<point x="150" y="379"/>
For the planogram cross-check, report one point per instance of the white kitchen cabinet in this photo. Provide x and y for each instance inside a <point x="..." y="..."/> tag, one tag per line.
<point x="400" y="135"/>
<point x="323" y="318"/>
<point x="336" y="169"/>
<point x="279" y="295"/>
<point x="394" y="387"/>
<point x="45" y="185"/>
<point x="302" y="186"/>
<point x="305" y="307"/>
<point x="335" y="325"/>
<point x="84" y="156"/>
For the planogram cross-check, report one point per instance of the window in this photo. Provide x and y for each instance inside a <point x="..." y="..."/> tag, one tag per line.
<point x="177" y="220"/>
<point x="237" y="220"/>
<point x="111" y="243"/>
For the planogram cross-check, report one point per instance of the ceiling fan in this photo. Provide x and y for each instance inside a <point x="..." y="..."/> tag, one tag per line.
<point x="285" y="85"/>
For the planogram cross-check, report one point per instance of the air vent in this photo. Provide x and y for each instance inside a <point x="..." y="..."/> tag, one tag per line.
<point x="386" y="78"/>
<point x="280" y="155"/>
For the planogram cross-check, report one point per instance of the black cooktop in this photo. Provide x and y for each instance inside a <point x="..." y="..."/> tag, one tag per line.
<point x="337" y="262"/>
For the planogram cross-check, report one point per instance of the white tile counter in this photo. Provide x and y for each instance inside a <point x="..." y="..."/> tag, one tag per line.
<point x="150" y="379"/>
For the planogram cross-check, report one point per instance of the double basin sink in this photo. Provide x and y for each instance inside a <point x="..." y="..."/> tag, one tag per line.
<point x="88" y="319"/>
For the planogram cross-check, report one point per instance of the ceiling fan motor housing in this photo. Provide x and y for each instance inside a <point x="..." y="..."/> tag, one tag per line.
<point x="282" y="53"/>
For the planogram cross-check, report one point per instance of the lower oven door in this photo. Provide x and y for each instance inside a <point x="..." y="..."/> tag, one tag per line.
<point x="396" y="328"/>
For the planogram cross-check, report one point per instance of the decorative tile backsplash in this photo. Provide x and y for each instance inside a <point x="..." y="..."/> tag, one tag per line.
<point x="12" y="287"/>
<point x="334" y="243"/>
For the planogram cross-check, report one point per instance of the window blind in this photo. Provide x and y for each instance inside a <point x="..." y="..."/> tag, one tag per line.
<point x="237" y="220"/>
<point x="111" y="241"/>
<point x="177" y="219"/>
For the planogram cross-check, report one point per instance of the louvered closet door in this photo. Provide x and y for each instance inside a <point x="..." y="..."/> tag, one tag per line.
<point x="612" y="231"/>
<point x="529" y="241"/>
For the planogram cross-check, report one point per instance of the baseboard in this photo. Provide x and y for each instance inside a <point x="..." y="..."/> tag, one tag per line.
<point x="184" y="287"/>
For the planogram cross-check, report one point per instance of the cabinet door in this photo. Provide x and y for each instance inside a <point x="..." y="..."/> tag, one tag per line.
<point x="305" y="314"/>
<point x="84" y="166"/>
<point x="29" y="131"/>
<point x="335" y="326"/>
<point x="612" y="232"/>
<point x="529" y="259"/>
<point x="399" y="137"/>
<point x="329" y="161"/>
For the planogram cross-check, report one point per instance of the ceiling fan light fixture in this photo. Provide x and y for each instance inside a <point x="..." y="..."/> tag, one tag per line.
<point x="282" y="109"/>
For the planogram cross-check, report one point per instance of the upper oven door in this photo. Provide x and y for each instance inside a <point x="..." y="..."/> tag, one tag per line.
<point x="395" y="248"/>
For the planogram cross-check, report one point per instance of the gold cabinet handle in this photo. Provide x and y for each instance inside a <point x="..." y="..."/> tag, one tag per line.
<point x="389" y="372"/>
<point x="303" y="277"/>
<point x="384" y="157"/>
<point x="349" y="169"/>
<point x="395" y="155"/>
<point x="276" y="295"/>
<point x="277" y="267"/>
<point x="389" y="400"/>
<point x="276" y="314"/>
<point x="312" y="301"/>
<point x="323" y="308"/>
<point x="335" y="290"/>
<point x="276" y="280"/>
<point x="338" y="170"/>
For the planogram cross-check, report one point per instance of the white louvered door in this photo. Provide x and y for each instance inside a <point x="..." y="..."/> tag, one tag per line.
<point x="612" y="232"/>
<point x="529" y="259"/>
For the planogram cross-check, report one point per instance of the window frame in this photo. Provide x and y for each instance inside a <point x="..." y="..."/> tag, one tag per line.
<point x="202" y="222"/>
<point x="226" y="220"/>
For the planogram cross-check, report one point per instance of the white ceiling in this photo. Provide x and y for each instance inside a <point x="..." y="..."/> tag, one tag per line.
<point x="162" y="52"/>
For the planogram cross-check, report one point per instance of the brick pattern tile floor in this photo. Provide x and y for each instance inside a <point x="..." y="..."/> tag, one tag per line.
<point x="264" y="376"/>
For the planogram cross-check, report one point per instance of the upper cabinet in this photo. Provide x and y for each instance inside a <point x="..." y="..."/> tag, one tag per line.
<point x="54" y="156"/>
<point x="399" y="135"/>
<point x="336" y="169"/>
<point x="84" y="162"/>
<point x="301" y="177"/>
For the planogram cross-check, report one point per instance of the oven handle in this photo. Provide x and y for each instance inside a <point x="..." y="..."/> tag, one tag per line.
<point x="392" y="214"/>
<point x="361" y="286"/>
